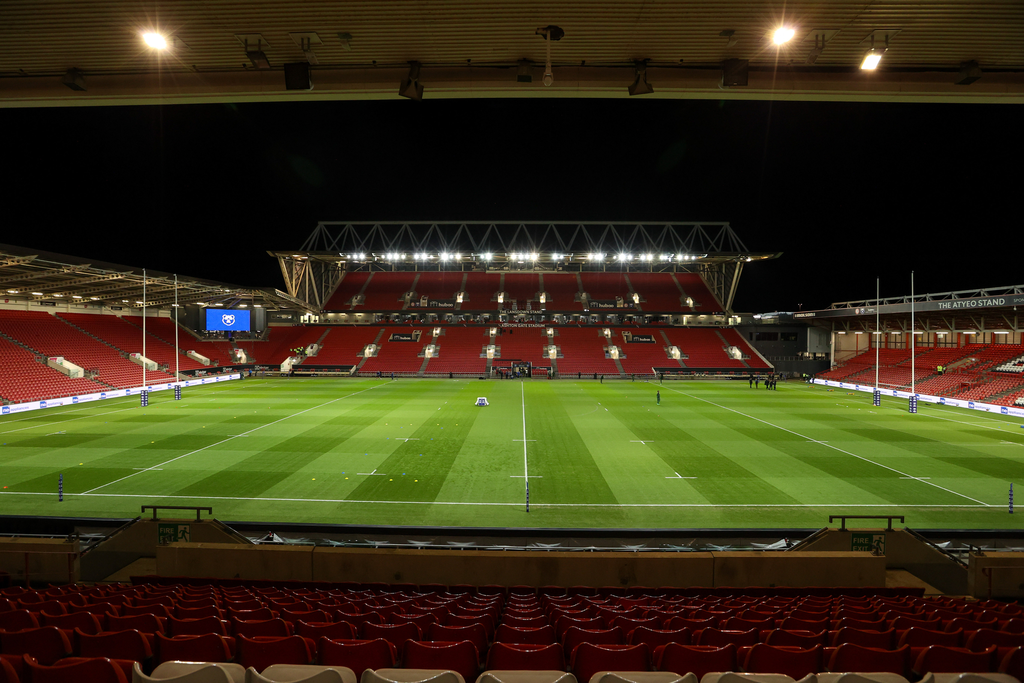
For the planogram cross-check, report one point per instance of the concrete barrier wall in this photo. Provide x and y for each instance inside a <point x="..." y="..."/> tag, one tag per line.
<point x="526" y="568"/>
<point x="1007" y="575"/>
<point x="47" y="559"/>
<point x="235" y="561"/>
<point x="513" y="568"/>
<point x="807" y="568"/>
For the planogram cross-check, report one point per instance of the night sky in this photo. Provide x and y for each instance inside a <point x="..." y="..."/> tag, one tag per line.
<point x="849" y="192"/>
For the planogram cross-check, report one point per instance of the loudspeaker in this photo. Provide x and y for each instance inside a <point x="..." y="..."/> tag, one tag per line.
<point x="296" y="76"/>
<point x="734" y="72"/>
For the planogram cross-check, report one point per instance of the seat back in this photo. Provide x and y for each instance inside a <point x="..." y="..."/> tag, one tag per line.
<point x="460" y="656"/>
<point x="45" y="644"/>
<point x="303" y="673"/>
<point x="92" y="670"/>
<point x="854" y="657"/>
<point x="130" y="645"/>
<point x="474" y="633"/>
<point x="700" y="660"/>
<point x="588" y="659"/>
<point x="525" y="657"/>
<point x="575" y="635"/>
<point x="543" y="635"/>
<point x="943" y="659"/>
<point x="261" y="652"/>
<point x="793" y="662"/>
<point x="357" y="655"/>
<point x="717" y="638"/>
<point x="655" y="638"/>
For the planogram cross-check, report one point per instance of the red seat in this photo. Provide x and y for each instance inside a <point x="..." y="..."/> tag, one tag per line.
<point x="544" y="635"/>
<point x="143" y="623"/>
<point x="460" y="656"/>
<point x="534" y="621"/>
<point x="396" y="634"/>
<point x="341" y="630"/>
<point x="45" y="644"/>
<point x="793" y="662"/>
<point x="204" y="648"/>
<point x="256" y="614"/>
<point x="588" y="659"/>
<point x="8" y="674"/>
<point x="943" y="659"/>
<point x="984" y="638"/>
<point x="264" y="628"/>
<point x="130" y="645"/>
<point x="717" y="638"/>
<point x="474" y="633"/>
<point x="260" y="652"/>
<point x="922" y="637"/>
<point x="197" y="627"/>
<point x="814" y="626"/>
<point x="79" y="669"/>
<point x="525" y="657"/>
<point x="564" y="623"/>
<point x="655" y="638"/>
<point x="801" y="639"/>
<point x="1013" y="663"/>
<point x="88" y="623"/>
<point x="575" y="635"/>
<point x="17" y="620"/>
<point x="854" y="657"/>
<point x="198" y="612"/>
<point x="882" y="640"/>
<point x="357" y="655"/>
<point x="627" y="624"/>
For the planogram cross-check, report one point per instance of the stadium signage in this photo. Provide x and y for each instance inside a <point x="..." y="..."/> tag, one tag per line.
<point x="401" y="337"/>
<point x="435" y="303"/>
<point x="919" y="307"/>
<point x="72" y="400"/>
<point x="642" y="339"/>
<point x="522" y="325"/>
<point x="925" y="398"/>
<point x="971" y="303"/>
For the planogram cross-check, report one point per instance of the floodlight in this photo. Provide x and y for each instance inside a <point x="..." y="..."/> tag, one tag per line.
<point x="556" y="257"/>
<point x="37" y="294"/>
<point x="155" y="40"/>
<point x="650" y="257"/>
<point x="640" y="85"/>
<point x="488" y="256"/>
<point x="533" y="257"/>
<point x="624" y="257"/>
<point x="411" y="86"/>
<point x="783" y="35"/>
<point x="666" y="257"/>
<point x="871" y="58"/>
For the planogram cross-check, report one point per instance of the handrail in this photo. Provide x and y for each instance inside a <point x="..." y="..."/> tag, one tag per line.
<point x="945" y="552"/>
<point x="154" y="508"/>
<point x="810" y="539"/>
<point x="843" y="519"/>
<point x="113" y="533"/>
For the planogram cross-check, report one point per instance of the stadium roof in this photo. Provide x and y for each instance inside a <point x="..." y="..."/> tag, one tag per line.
<point x="983" y="310"/>
<point x="44" y="276"/>
<point x="223" y="51"/>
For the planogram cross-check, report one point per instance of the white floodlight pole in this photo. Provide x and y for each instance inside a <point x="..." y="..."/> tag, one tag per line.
<point x="878" y="330"/>
<point x="176" y="351"/>
<point x="144" y="329"/>
<point x="912" y="329"/>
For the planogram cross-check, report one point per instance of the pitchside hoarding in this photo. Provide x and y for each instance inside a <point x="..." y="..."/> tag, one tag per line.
<point x="113" y="393"/>
<point x="941" y="400"/>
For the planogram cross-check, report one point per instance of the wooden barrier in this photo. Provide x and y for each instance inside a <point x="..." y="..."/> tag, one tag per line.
<point x="480" y="567"/>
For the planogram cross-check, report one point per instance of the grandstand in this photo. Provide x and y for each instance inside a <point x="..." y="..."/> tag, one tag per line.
<point x="300" y="455"/>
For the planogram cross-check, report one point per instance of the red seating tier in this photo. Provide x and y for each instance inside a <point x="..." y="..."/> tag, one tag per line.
<point x="386" y="291"/>
<point x="658" y="291"/>
<point x="459" y="350"/>
<point x="695" y="288"/>
<point x="350" y="285"/>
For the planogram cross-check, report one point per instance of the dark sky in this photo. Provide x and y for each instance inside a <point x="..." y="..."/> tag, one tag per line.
<point x="849" y="192"/>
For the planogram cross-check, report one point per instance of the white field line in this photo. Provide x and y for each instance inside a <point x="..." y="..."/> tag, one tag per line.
<point x="830" y="504"/>
<point x="526" y="467"/>
<point x="835" y="448"/>
<point x="86" y="407"/>
<point x="199" y="450"/>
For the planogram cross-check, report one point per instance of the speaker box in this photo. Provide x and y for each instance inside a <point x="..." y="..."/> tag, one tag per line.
<point x="734" y="72"/>
<point x="296" y="76"/>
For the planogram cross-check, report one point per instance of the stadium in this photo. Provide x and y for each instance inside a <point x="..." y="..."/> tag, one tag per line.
<point x="523" y="449"/>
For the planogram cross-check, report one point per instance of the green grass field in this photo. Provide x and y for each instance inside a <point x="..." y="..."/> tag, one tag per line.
<point x="418" y="452"/>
